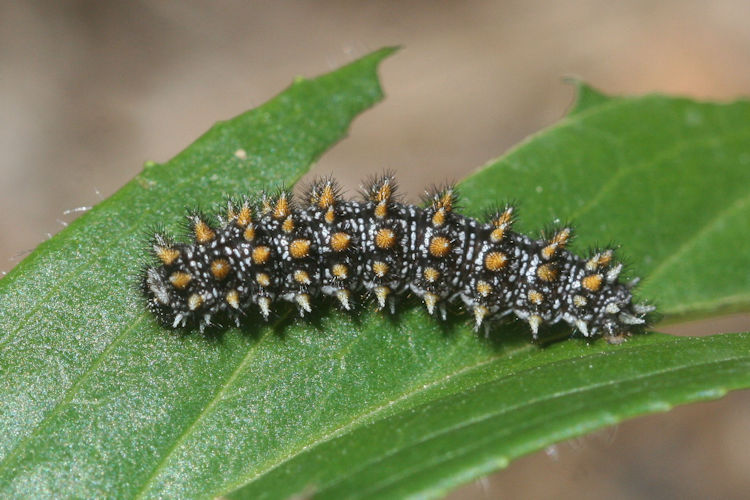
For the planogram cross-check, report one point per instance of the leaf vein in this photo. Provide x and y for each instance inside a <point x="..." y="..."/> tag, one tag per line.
<point x="528" y="403"/>
<point x="738" y="205"/>
<point x="68" y="395"/>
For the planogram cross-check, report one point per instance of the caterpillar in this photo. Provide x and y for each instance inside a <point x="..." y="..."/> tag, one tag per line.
<point x="274" y="250"/>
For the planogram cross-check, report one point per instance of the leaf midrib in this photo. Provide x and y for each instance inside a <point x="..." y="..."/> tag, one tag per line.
<point x="67" y="396"/>
<point x="366" y="417"/>
<point x="525" y="404"/>
<point x="678" y="146"/>
<point x="205" y="411"/>
<point x="70" y="393"/>
<point x="681" y="145"/>
<point x="737" y="204"/>
<point x="161" y="464"/>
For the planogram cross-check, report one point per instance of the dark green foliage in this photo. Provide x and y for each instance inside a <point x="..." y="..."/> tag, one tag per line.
<point x="98" y="399"/>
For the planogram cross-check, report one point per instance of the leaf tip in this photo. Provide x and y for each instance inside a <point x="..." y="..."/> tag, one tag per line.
<point x="376" y="57"/>
<point x="586" y="95"/>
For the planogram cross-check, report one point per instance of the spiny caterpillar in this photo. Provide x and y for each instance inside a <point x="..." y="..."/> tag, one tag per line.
<point x="277" y="251"/>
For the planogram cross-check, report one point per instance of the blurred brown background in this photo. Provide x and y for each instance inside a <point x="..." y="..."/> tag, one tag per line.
<point x="89" y="90"/>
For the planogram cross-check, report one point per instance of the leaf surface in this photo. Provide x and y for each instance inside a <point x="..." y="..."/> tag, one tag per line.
<point x="94" y="396"/>
<point x="98" y="398"/>
<point x="668" y="180"/>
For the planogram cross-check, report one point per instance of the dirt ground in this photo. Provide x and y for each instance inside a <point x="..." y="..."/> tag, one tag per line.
<point x="89" y="90"/>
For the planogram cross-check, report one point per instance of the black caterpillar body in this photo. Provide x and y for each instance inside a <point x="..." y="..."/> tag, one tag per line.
<point x="276" y="251"/>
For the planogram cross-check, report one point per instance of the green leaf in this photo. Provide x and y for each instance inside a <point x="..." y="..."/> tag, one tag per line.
<point x="94" y="396"/>
<point x="586" y="97"/>
<point x="98" y="399"/>
<point x="475" y="418"/>
<point x="666" y="178"/>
